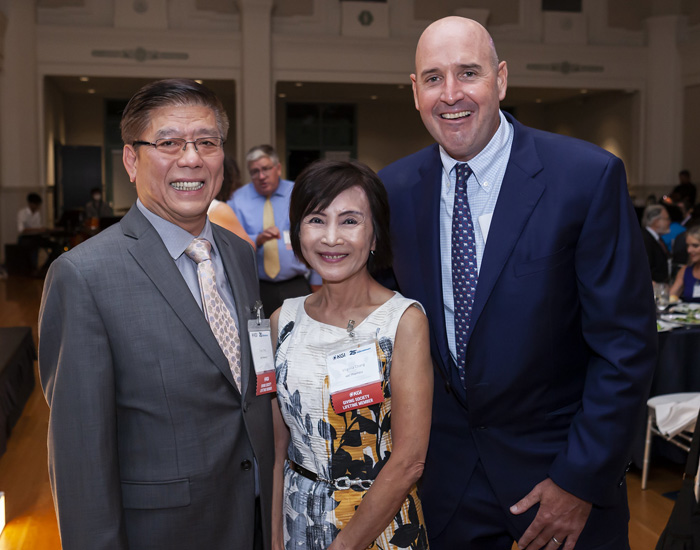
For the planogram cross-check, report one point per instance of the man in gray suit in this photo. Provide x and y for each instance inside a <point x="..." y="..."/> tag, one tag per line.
<point x="156" y="437"/>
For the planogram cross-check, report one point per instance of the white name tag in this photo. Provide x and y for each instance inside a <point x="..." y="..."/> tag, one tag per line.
<point x="263" y="357"/>
<point x="287" y="240"/>
<point x="354" y="377"/>
<point x="696" y="290"/>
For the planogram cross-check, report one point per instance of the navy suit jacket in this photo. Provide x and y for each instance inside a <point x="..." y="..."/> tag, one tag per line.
<point x="563" y="344"/>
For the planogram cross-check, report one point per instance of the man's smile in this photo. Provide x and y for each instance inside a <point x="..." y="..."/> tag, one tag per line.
<point x="453" y="116"/>
<point x="187" y="185"/>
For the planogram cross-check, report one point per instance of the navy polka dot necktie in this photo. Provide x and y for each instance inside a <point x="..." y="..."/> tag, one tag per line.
<point x="464" y="270"/>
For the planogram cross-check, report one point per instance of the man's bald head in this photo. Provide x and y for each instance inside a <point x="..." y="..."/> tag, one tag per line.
<point x="455" y="24"/>
<point x="458" y="85"/>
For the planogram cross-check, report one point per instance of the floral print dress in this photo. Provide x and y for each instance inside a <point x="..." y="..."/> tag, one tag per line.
<point x="355" y="444"/>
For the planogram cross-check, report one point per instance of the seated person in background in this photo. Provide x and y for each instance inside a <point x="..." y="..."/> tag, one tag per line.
<point x="96" y="207"/>
<point x="680" y="250"/>
<point x="33" y="234"/>
<point x="676" y="228"/>
<point x="221" y="213"/>
<point x="655" y="223"/>
<point x="29" y="218"/>
<point x="687" y="283"/>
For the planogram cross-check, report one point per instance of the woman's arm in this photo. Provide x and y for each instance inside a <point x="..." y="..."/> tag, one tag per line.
<point x="677" y="286"/>
<point x="411" y="404"/>
<point x="281" y="434"/>
<point x="224" y="216"/>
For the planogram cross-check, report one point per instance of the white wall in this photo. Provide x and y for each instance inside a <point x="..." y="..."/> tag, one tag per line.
<point x="691" y="132"/>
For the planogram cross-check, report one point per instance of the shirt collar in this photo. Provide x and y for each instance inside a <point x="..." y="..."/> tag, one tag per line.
<point x="279" y="192"/>
<point x="175" y="238"/>
<point x="485" y="164"/>
<point x="653" y="233"/>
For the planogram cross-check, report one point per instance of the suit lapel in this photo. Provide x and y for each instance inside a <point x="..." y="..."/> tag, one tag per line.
<point x="150" y="253"/>
<point x="518" y="196"/>
<point x="426" y="194"/>
<point x="242" y="299"/>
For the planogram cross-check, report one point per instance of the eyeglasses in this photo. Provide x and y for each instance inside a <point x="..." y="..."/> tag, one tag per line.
<point x="205" y="146"/>
<point x="264" y="170"/>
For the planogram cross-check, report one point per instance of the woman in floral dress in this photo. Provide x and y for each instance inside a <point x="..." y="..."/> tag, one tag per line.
<point x="347" y="478"/>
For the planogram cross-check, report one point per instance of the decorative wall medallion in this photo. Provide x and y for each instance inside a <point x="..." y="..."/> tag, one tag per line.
<point x="140" y="6"/>
<point x="365" y="18"/>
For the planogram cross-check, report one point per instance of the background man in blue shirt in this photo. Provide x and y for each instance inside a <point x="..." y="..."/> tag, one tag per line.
<point x="262" y="206"/>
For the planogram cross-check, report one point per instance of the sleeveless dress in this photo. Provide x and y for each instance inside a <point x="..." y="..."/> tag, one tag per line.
<point x="689" y="283"/>
<point x="355" y="444"/>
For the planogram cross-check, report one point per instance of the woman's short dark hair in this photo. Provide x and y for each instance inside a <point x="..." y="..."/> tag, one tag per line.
<point x="166" y="93"/>
<point x="321" y="182"/>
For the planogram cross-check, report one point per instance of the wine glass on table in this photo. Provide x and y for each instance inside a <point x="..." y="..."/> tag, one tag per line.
<point x="661" y="296"/>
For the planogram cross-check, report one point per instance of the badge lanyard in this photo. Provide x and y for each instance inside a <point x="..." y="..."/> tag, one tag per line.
<point x="261" y="349"/>
<point x="354" y="373"/>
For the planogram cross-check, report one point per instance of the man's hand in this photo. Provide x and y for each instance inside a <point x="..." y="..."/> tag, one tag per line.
<point x="561" y="517"/>
<point x="267" y="234"/>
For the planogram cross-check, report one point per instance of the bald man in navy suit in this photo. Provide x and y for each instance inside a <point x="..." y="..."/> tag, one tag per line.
<point x="532" y="421"/>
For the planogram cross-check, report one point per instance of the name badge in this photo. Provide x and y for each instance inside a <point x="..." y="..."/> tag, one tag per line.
<point x="287" y="240"/>
<point x="696" y="290"/>
<point x="354" y="376"/>
<point x="263" y="357"/>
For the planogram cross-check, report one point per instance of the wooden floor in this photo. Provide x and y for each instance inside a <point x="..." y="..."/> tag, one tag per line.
<point x="31" y="522"/>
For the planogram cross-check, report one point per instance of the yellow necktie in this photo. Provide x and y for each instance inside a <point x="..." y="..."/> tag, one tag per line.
<point x="271" y="255"/>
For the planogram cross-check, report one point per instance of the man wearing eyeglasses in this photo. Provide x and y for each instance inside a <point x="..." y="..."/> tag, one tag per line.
<point x="156" y="438"/>
<point x="262" y="206"/>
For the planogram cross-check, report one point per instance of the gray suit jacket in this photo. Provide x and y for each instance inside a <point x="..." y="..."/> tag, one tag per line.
<point x="151" y="445"/>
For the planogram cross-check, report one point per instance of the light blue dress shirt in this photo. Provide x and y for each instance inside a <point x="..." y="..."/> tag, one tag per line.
<point x="483" y="186"/>
<point x="176" y="240"/>
<point x="248" y="205"/>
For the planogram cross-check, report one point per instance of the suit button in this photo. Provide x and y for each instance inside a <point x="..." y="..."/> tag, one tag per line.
<point x="246" y="465"/>
<point x="245" y="407"/>
<point x="482" y="428"/>
<point x="448" y="387"/>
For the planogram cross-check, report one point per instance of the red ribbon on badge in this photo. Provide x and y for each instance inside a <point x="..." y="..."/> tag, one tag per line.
<point x="266" y="382"/>
<point x="355" y="398"/>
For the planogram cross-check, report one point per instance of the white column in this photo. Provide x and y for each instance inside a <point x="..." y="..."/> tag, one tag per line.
<point x="19" y="128"/>
<point x="255" y="91"/>
<point x="663" y="104"/>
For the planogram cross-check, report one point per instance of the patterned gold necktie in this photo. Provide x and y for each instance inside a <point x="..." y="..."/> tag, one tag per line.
<point x="271" y="254"/>
<point x="218" y="315"/>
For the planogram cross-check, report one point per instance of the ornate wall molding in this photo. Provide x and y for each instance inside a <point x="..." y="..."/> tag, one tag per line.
<point x="140" y="54"/>
<point x="565" y="67"/>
